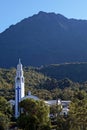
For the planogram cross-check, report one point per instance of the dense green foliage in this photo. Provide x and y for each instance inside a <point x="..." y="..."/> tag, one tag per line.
<point x="34" y="115"/>
<point x="77" y="116"/>
<point x="45" y="88"/>
<point x="40" y="85"/>
<point x="5" y="114"/>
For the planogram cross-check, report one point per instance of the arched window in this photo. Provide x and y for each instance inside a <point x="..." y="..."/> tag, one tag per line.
<point x="18" y="79"/>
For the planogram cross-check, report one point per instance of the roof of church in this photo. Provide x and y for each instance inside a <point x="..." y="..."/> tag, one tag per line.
<point x="30" y="96"/>
<point x="12" y="102"/>
<point x="53" y="102"/>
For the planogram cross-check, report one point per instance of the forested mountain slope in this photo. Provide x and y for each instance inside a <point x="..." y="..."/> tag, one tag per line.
<point x="45" y="87"/>
<point x="77" y="72"/>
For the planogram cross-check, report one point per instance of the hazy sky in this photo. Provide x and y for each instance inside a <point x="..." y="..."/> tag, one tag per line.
<point x="13" y="11"/>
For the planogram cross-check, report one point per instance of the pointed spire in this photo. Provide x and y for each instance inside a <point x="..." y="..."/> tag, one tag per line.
<point x="19" y="61"/>
<point x="19" y="66"/>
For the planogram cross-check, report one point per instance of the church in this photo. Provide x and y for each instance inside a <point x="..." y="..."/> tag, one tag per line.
<point x="20" y="93"/>
<point x="20" y="89"/>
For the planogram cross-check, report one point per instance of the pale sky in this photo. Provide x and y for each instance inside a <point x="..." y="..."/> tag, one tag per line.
<point x="13" y="11"/>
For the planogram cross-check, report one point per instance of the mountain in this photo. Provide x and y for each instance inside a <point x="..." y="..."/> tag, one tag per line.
<point x="44" y="38"/>
<point x="77" y="72"/>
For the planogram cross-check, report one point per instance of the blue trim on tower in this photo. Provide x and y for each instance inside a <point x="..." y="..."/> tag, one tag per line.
<point x="18" y="88"/>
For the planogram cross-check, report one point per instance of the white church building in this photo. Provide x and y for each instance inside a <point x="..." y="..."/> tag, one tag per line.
<point x="20" y="93"/>
<point x="20" y="89"/>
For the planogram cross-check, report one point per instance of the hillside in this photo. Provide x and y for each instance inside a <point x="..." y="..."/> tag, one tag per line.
<point x="44" y="38"/>
<point x="77" y="72"/>
<point x="35" y="82"/>
<point x="45" y="87"/>
<point x="39" y="84"/>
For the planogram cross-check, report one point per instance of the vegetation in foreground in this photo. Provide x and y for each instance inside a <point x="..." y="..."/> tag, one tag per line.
<point x="45" y="88"/>
<point x="34" y="115"/>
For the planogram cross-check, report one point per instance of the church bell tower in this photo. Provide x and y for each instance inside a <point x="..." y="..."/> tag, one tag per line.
<point x="19" y="88"/>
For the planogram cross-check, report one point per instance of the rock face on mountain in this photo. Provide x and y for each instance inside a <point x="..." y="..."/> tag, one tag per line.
<point x="44" y="38"/>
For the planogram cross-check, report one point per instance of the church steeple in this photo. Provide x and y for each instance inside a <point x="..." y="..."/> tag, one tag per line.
<point x="19" y="61"/>
<point x="19" y="87"/>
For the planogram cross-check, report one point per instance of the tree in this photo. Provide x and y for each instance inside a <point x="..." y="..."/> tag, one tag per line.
<point x="78" y="114"/>
<point x="5" y="113"/>
<point x="34" y="115"/>
<point x="4" y="122"/>
<point x="5" y="107"/>
<point x="57" y="119"/>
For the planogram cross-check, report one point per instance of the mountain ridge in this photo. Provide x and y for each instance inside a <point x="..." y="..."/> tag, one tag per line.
<point x="44" y="38"/>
